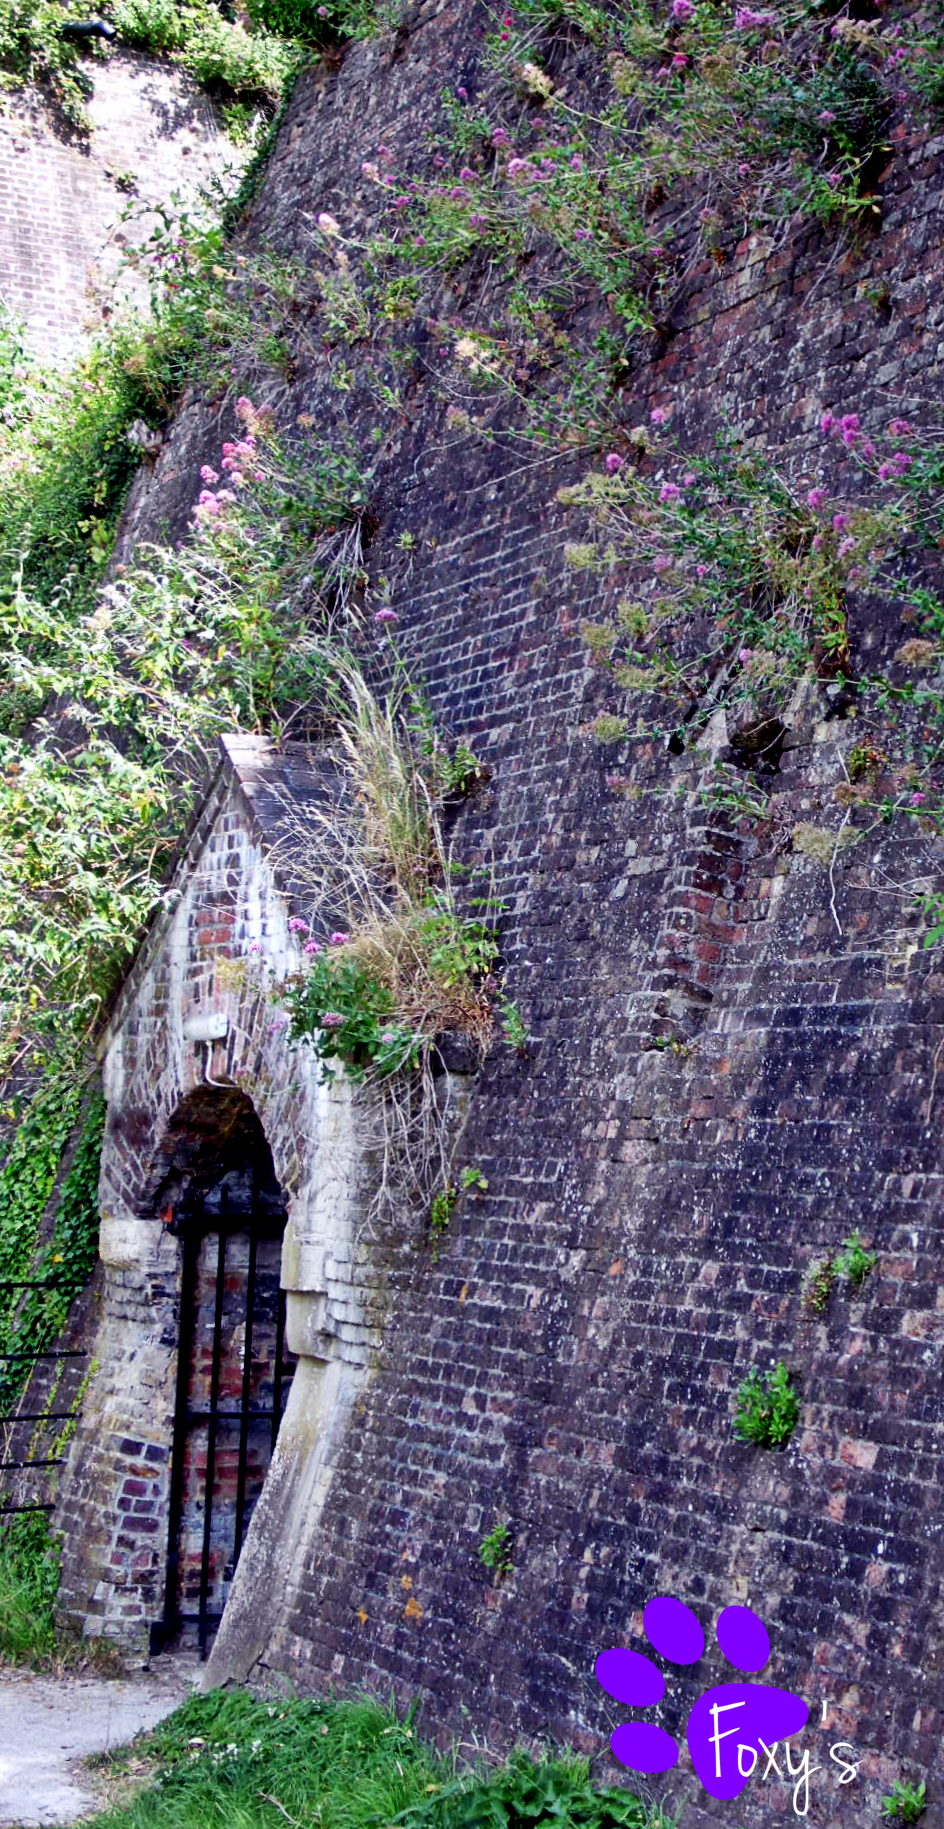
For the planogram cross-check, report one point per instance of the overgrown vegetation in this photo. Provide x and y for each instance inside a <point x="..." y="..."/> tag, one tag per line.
<point x="406" y="964"/>
<point x="767" y="1407"/>
<point x="350" y="1765"/>
<point x="245" y="62"/>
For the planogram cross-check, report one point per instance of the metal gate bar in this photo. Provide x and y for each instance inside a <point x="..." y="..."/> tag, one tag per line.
<point x="164" y="1628"/>
<point x="247" y="1371"/>
<point x="212" y="1420"/>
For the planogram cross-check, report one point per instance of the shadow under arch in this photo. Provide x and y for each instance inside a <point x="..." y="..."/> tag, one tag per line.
<point x="216" y="1192"/>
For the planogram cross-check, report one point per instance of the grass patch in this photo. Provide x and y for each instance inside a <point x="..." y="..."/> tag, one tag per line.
<point x="29" y="1581"/>
<point x="255" y="1764"/>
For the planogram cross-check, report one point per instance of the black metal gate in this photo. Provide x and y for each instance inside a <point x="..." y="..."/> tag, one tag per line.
<point x="232" y="1382"/>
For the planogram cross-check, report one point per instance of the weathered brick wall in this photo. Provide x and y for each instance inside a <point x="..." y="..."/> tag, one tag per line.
<point x="651" y="1216"/>
<point x="61" y="203"/>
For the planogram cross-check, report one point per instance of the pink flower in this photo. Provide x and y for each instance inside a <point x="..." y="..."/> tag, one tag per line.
<point x="670" y="492"/>
<point x="661" y="562"/>
<point x="386" y="616"/>
<point x="916" y="799"/>
<point x="746" y="20"/>
<point x="899" y="428"/>
<point x="400" y="203"/>
<point x="467" y="173"/>
<point x="206" y="499"/>
<point x="700" y="571"/>
<point x="834" y="179"/>
<point x="886" y="471"/>
<point x="826" y="117"/>
<point x="244" y="408"/>
<point x="849" y="428"/>
<point x="840" y="522"/>
<point x="612" y="463"/>
<point x="331" y="1020"/>
<point x="576" y="163"/>
<point x="682" y="10"/>
<point x="259" y="476"/>
<point x="462" y="93"/>
<point x="208" y="474"/>
<point x="339" y="939"/>
<point x="583" y="234"/>
<point x="901" y="461"/>
<point x="688" y="479"/>
<point x="659" y="415"/>
<point x="500" y="137"/>
<point x="745" y="655"/>
<point x="815" y="498"/>
<point x="255" y="946"/>
<point x="679" y="60"/>
<point x="845" y="547"/>
<point x="312" y="946"/>
<point x="826" y="424"/>
<point x="296" y="926"/>
<point x="229" y="450"/>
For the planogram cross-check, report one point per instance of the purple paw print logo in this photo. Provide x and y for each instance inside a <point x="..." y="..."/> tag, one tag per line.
<point x="729" y="1726"/>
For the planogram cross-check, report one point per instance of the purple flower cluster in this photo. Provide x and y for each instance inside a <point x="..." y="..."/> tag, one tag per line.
<point x="236" y="458"/>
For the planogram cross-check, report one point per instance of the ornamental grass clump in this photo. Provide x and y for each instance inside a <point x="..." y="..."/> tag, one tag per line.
<point x="403" y="964"/>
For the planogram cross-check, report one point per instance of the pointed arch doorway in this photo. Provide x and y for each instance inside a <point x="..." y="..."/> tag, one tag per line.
<point x="233" y="1372"/>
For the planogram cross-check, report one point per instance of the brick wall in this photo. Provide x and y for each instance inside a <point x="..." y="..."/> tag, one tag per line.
<point x="61" y="233"/>
<point x="652" y="1216"/>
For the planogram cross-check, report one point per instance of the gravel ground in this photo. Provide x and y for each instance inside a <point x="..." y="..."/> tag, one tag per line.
<point x="49" y="1724"/>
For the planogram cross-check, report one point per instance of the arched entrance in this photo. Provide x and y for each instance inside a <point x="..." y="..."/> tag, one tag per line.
<point x="233" y="1369"/>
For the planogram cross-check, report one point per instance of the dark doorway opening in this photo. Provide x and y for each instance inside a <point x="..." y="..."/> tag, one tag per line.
<point x="233" y="1375"/>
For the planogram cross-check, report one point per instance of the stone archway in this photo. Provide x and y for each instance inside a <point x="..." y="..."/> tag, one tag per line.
<point x="195" y="1057"/>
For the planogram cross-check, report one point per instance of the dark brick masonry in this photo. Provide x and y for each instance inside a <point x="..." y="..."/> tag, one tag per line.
<point x="651" y="1217"/>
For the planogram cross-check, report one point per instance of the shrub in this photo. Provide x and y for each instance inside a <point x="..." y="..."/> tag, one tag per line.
<point x="767" y="1407"/>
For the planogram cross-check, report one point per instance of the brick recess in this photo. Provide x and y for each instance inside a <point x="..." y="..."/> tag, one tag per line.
<point x="651" y="1218"/>
<point x="61" y="234"/>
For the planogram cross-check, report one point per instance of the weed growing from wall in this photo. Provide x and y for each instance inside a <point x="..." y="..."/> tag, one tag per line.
<point x="767" y="1407"/>
<point x="906" y="1802"/>
<point x="496" y="1551"/>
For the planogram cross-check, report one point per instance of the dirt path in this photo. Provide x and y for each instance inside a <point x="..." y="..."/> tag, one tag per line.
<point x="49" y="1724"/>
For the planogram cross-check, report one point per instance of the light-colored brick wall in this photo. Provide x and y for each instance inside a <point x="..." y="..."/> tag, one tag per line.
<point x="61" y="207"/>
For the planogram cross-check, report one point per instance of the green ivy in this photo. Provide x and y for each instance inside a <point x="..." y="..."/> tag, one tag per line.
<point x="26" y="1181"/>
<point x="28" y="1177"/>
